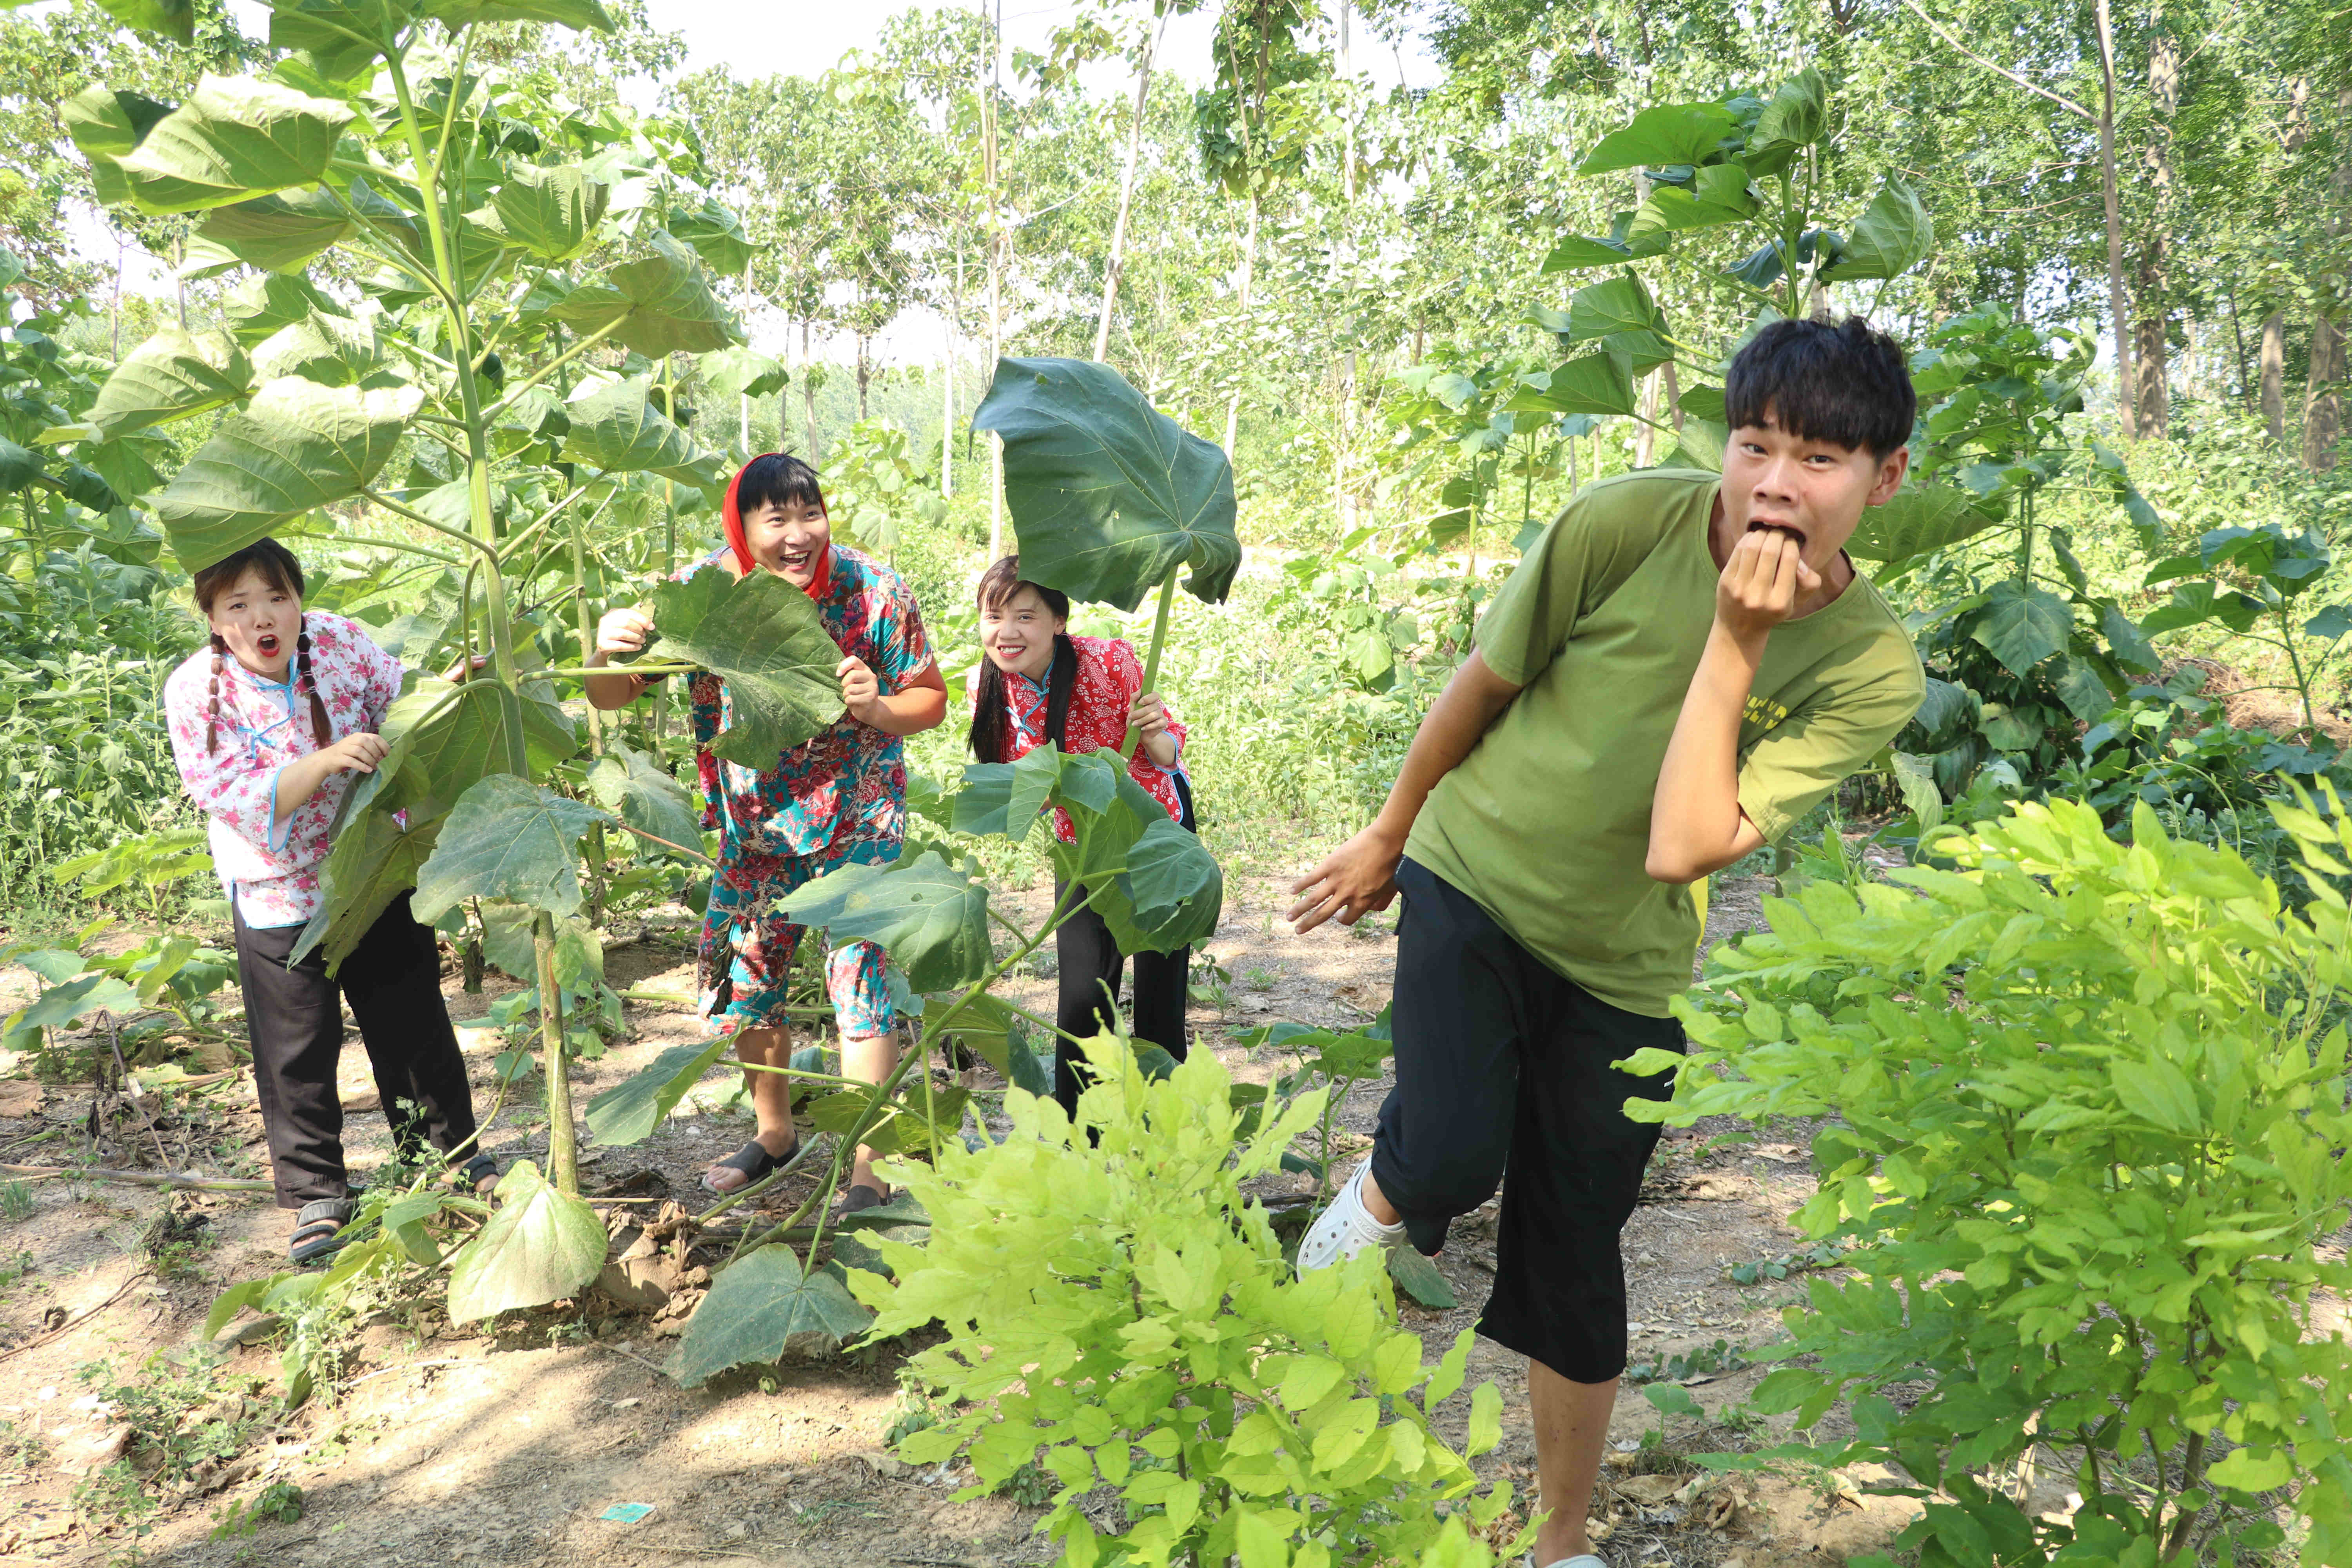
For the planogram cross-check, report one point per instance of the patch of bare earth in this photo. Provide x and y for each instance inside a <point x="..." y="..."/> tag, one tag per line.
<point x="506" y="1444"/>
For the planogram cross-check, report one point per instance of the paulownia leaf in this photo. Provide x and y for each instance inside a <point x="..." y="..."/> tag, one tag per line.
<point x="1914" y="778"/>
<point x="2078" y="686"/>
<point x="615" y="428"/>
<point x="929" y="914"/>
<point x="372" y="861"/>
<point x="511" y="941"/>
<point x="107" y="125"/>
<point x="2023" y="626"/>
<point x="1699" y="445"/>
<point x="170" y="376"/>
<point x="173" y="19"/>
<point x="1670" y="134"/>
<point x="1920" y="518"/>
<point x="540" y="1246"/>
<point x="1172" y="888"/>
<point x="238" y="137"/>
<point x="296" y="446"/>
<point x="715" y="233"/>
<point x="580" y="15"/>
<point x="507" y="838"/>
<point x="744" y="372"/>
<point x="661" y="300"/>
<point x="551" y="213"/>
<point x="763" y="638"/>
<point x="75" y="1000"/>
<point x="1893" y="235"/>
<point x="1797" y="114"/>
<point x="757" y="1307"/>
<point x="626" y="783"/>
<point x="630" y="1110"/>
<point x="1419" y="1278"/>
<point x="277" y="234"/>
<point x="1618" y="304"/>
<point x="1719" y="196"/>
<point x="260" y="308"/>
<point x="1597" y="383"/>
<point x="1108" y="495"/>
<point x="340" y="38"/>
<point x="331" y="349"/>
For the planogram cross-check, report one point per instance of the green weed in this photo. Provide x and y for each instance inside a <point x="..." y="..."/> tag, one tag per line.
<point x="280" y="1502"/>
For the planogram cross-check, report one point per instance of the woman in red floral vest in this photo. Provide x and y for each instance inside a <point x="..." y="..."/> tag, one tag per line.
<point x="1040" y="684"/>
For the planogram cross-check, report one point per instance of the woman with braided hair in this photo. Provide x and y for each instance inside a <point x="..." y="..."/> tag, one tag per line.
<point x="266" y="724"/>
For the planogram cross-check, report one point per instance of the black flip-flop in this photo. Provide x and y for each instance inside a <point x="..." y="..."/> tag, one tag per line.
<point x="318" y="1229"/>
<point x="856" y="1198"/>
<point x="756" y="1163"/>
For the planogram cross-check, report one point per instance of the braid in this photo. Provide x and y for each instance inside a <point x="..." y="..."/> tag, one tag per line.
<point x="323" y="729"/>
<point x="212" y="718"/>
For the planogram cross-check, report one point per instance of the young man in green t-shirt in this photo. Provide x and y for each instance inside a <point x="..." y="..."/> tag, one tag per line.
<point x="1677" y="671"/>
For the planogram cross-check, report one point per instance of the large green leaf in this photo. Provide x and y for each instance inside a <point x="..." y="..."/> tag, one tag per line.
<point x="616" y="428"/>
<point x="764" y="638"/>
<point x="662" y="300"/>
<point x="331" y="349"/>
<point x="551" y="213"/>
<point x="260" y="308"/>
<point x="296" y="446"/>
<point x="2023" y="626"/>
<point x="511" y="941"/>
<point x="374" y="859"/>
<point x="630" y="1110"/>
<point x="540" y="1246"/>
<point x="930" y="914"/>
<point x="1921" y="517"/>
<point x="1170" y="896"/>
<point x="170" y="376"/>
<point x="1719" y="196"/>
<point x="507" y="838"/>
<point x="1598" y="383"/>
<point x="755" y="1309"/>
<point x="626" y="783"/>
<point x="1108" y="495"/>
<point x="2076" y="681"/>
<point x="1670" y="134"/>
<point x="340" y="38"/>
<point x="744" y="372"/>
<point x="1797" y="114"/>
<point x="277" y="234"/>
<point x="580" y="15"/>
<point x="19" y="467"/>
<point x="1698" y="444"/>
<point x="106" y="125"/>
<point x="1618" y="304"/>
<point x="1893" y="235"/>
<point x="236" y="138"/>
<point x="75" y="1000"/>
<point x="715" y="233"/>
<point x="173" y="19"/>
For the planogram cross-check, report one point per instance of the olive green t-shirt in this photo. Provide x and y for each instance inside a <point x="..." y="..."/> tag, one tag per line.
<point x="1546" y="822"/>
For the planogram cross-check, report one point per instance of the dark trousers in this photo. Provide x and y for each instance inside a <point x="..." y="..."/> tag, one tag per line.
<point x="295" y="1019"/>
<point x="1090" y="965"/>
<point x="1503" y="1070"/>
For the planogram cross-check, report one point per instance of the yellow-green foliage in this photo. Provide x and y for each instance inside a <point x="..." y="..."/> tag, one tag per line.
<point x="1120" y="1305"/>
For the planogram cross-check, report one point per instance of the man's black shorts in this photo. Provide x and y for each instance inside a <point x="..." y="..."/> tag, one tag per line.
<point x="1502" y="1070"/>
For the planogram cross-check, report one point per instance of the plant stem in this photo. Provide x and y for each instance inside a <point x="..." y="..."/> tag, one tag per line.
<point x="562" y="1145"/>
<point x="1152" y="660"/>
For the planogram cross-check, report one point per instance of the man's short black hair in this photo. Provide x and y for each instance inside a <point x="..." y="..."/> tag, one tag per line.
<point x="778" y="478"/>
<point x="1840" y="382"/>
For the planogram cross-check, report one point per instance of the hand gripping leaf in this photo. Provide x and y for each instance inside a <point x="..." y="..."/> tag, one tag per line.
<point x="1108" y="495"/>
<point x="763" y="638"/>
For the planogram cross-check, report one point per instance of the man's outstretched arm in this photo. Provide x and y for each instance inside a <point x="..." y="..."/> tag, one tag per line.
<point x="1360" y="876"/>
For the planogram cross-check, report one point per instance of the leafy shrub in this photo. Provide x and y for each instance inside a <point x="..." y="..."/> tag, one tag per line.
<point x="1122" y="1305"/>
<point x="2091" y="1096"/>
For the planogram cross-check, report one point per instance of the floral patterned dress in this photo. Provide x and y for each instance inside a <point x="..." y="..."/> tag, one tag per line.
<point x="1110" y="680"/>
<point x="837" y="798"/>
<point x="268" y="864"/>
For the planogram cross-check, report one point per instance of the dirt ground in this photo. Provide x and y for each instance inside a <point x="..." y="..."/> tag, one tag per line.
<point x="506" y="1446"/>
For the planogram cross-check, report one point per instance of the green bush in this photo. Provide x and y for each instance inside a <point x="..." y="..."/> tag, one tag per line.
<point x="2092" y="1099"/>
<point x="1122" y="1306"/>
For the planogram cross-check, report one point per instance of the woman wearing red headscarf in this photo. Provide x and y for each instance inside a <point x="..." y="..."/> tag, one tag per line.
<point x="836" y="799"/>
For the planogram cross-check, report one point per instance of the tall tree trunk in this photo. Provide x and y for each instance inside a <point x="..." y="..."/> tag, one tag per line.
<point x="1126" y="185"/>
<point x="995" y="281"/>
<point x="863" y="375"/>
<point x="2118" y="319"/>
<point x="1344" y="420"/>
<point x="1645" y="433"/>
<point x="948" y="391"/>
<point x="2273" y="375"/>
<point x="2323" y="403"/>
<point x="744" y="399"/>
<point x="808" y="395"/>
<point x="2153" y="388"/>
<point x="1249" y="268"/>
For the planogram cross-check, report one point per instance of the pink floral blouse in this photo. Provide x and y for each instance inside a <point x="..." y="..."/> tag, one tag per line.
<point x="271" y="866"/>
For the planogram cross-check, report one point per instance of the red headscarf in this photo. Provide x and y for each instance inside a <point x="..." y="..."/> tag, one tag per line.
<point x="732" y="515"/>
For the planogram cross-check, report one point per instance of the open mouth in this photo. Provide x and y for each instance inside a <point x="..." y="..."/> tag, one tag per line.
<point x="266" y="644"/>
<point x="1768" y="525"/>
<point x="797" y="561"/>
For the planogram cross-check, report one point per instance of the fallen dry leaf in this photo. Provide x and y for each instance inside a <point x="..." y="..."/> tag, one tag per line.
<point x="19" y="1098"/>
<point x="1648" y="1490"/>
